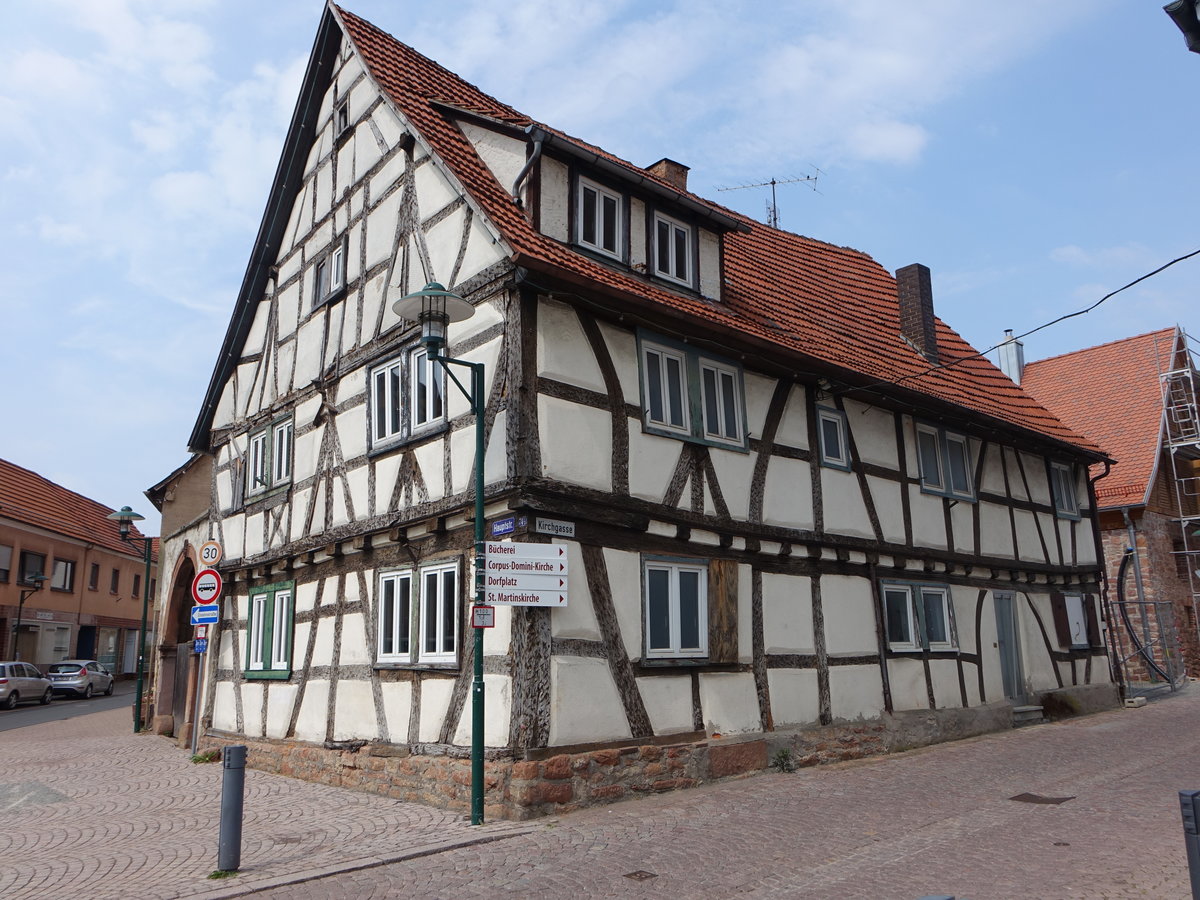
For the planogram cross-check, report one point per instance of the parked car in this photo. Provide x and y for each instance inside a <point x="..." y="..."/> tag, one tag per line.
<point x="81" y="677"/>
<point x="21" y="683"/>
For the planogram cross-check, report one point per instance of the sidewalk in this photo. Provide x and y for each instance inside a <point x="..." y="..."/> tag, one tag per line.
<point x="87" y="809"/>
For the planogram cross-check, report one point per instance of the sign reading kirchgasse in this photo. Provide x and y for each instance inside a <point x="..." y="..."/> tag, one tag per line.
<point x="525" y="574"/>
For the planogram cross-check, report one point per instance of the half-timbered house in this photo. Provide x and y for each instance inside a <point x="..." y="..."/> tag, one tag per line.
<point x="800" y="511"/>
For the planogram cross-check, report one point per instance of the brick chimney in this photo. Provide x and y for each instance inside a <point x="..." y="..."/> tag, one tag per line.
<point x="915" y="292"/>
<point x="673" y="173"/>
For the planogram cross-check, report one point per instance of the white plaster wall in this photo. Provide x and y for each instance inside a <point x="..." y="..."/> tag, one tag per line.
<point x="944" y="675"/>
<point x="323" y="647"/>
<point x="311" y="720"/>
<point x="308" y="350"/>
<point x="758" y="401"/>
<point x="889" y="507"/>
<point x="503" y="155"/>
<point x="625" y="583"/>
<point x="1015" y="483"/>
<point x="433" y="188"/>
<point x="254" y="535"/>
<point x="874" y="433"/>
<point x="637" y="232"/>
<point x="431" y="460"/>
<point x="622" y="348"/>
<point x="576" y="443"/>
<point x="907" y="679"/>
<point x="710" y="264"/>
<point x="388" y="123"/>
<point x="252" y="702"/>
<point x="563" y="353"/>
<point x="576" y="620"/>
<point x="745" y="576"/>
<point x="928" y="518"/>
<point x="224" y="709"/>
<point x="962" y="520"/>
<point x="730" y="702"/>
<point x="354" y="712"/>
<point x="1029" y="547"/>
<point x="386" y="469"/>
<point x="794" y="699"/>
<point x="554" y="192"/>
<point x="993" y="681"/>
<point x="1035" y="474"/>
<point x="793" y="426"/>
<point x="1085" y="543"/>
<point x="256" y="336"/>
<point x="991" y="479"/>
<point x="855" y="692"/>
<point x="354" y="647"/>
<point x="652" y="461"/>
<point x="496" y="714"/>
<point x="668" y="701"/>
<point x="435" y="702"/>
<point x="1039" y="667"/>
<point x="845" y="511"/>
<point x="397" y="706"/>
<point x="381" y="219"/>
<point x="787" y="614"/>
<point x="995" y="530"/>
<point x="281" y="699"/>
<point x="787" y="498"/>
<point x="735" y="472"/>
<point x="489" y="355"/>
<point x="495" y="454"/>
<point x="352" y="430"/>
<point x="601" y="718"/>
<point x="849" y="609"/>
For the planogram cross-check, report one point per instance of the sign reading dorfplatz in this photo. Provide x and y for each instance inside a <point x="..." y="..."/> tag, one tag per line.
<point x="525" y="574"/>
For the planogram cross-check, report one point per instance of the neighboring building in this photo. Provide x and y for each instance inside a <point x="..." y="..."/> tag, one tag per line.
<point x="185" y="499"/>
<point x="1136" y="399"/>
<point x="90" y="605"/>
<point x="783" y="527"/>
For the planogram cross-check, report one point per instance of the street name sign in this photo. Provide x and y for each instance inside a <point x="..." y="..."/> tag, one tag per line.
<point x="207" y="614"/>
<point x="518" y="574"/>
<point x="206" y="586"/>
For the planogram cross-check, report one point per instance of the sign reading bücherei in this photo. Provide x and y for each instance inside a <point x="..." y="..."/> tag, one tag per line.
<point x="525" y="574"/>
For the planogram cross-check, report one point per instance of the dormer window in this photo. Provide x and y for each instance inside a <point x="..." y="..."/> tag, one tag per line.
<point x="598" y="219"/>
<point x="672" y="249"/>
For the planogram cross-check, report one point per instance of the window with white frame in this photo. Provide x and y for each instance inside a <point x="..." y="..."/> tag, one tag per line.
<point x="598" y="219"/>
<point x="944" y="458"/>
<point x="418" y="615"/>
<point x="395" y="617"/>
<point x="672" y="249"/>
<point x="1062" y="486"/>
<point x="329" y="273"/>
<point x="918" y="617"/>
<point x="270" y="452"/>
<point x="676" y="609"/>
<point x="414" y="378"/>
<point x="831" y="431"/>
<point x="62" y="575"/>
<point x="439" y="614"/>
<point x="687" y="394"/>
<point x="269" y="629"/>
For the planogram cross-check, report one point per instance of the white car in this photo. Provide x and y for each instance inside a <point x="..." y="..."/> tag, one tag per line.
<point x="21" y="683"/>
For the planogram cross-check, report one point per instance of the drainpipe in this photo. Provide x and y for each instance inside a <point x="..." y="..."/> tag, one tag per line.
<point x="1116" y="672"/>
<point x="1131" y="530"/>
<point x="538" y="137"/>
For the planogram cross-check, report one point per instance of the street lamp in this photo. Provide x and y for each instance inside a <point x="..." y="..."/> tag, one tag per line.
<point x="434" y="308"/>
<point x="123" y="517"/>
<point x="1184" y="13"/>
<point x="35" y="583"/>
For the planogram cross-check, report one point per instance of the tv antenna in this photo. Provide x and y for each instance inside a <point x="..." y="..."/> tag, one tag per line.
<point x="773" y="205"/>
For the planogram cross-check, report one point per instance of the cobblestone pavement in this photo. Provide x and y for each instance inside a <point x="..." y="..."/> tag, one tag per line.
<point x="90" y="810"/>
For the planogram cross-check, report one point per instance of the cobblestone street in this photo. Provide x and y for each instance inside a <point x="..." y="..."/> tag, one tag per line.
<point x="87" y="809"/>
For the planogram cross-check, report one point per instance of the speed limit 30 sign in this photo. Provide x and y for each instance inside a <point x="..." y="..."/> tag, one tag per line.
<point x="206" y="586"/>
<point x="210" y="554"/>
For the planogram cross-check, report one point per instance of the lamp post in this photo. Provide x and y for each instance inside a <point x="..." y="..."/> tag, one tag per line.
<point x="434" y="308"/>
<point x="123" y="517"/>
<point x="35" y="583"/>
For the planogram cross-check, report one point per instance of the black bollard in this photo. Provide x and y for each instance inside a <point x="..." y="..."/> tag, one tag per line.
<point x="233" y="783"/>
<point x="1189" y="805"/>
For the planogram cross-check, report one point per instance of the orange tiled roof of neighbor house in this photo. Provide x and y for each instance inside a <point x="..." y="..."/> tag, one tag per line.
<point x="29" y="498"/>
<point x="1111" y="394"/>
<point x="781" y="291"/>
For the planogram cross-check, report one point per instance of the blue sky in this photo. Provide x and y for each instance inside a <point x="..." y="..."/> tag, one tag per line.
<point x="1034" y="155"/>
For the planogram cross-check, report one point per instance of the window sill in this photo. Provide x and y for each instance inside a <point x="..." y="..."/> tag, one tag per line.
<point x="422" y="433"/>
<point x="659" y="662"/>
<point x="934" y="492"/>
<point x="330" y="298"/>
<point x="275" y="675"/>
<point x="267" y="494"/>
<point x="416" y="667"/>
<point x="693" y="439"/>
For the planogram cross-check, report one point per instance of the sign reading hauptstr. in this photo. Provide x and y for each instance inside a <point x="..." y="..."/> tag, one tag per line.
<point x="525" y="574"/>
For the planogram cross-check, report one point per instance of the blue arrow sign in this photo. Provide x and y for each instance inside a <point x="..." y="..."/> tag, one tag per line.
<point x="208" y="614"/>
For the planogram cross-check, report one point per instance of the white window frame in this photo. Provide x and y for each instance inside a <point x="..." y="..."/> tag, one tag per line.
<point x="270" y="631"/>
<point x="282" y="434"/>
<point x="435" y="376"/>
<point x="916" y="613"/>
<point x="270" y="450"/>
<point x="836" y="417"/>
<point x="663" y="354"/>
<point x="939" y="481"/>
<point x="1076" y="620"/>
<point x="68" y="569"/>
<point x="281" y="615"/>
<point x="718" y="370"/>
<point x="440" y="653"/>
<point x="402" y="616"/>
<point x="392" y="375"/>
<point x="329" y="273"/>
<point x="255" y="629"/>
<point x="674" y="228"/>
<point x="258" y="475"/>
<point x="673" y="571"/>
<point x="1062" y="489"/>
<point x="617" y="252"/>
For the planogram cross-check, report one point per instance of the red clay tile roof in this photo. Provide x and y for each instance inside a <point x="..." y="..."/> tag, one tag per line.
<point x="1111" y="394"/>
<point x="832" y="305"/>
<point x="27" y="497"/>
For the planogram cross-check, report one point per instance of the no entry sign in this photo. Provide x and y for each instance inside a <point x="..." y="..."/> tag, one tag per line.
<point x="206" y="586"/>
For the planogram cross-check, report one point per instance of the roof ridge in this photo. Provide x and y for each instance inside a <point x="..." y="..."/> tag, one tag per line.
<point x="1123" y="340"/>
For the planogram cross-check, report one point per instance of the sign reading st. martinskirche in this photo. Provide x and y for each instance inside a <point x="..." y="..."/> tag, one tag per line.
<point x="525" y="574"/>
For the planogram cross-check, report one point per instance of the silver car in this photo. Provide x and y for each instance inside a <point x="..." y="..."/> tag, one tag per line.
<point x="81" y="677"/>
<point x="20" y="683"/>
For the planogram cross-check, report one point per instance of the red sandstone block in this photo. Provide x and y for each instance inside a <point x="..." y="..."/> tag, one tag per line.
<point x="652" y="769"/>
<point x="524" y="771"/>
<point x="461" y="776"/>
<point x="650" y="752"/>
<point x="607" y="792"/>
<point x="736" y="759"/>
<point x="606" y="757"/>
<point x="678" y="752"/>
<point x="580" y="763"/>
<point x="557" y="767"/>
<point x="550" y="793"/>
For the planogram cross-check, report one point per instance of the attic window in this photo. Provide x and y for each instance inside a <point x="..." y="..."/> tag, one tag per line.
<point x="329" y="274"/>
<point x="598" y="219"/>
<point x="672" y="249"/>
<point x="342" y="117"/>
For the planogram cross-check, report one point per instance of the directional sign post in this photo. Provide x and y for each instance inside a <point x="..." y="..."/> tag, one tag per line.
<point x="206" y="586"/>
<point x="208" y="614"/>
<point x="526" y="574"/>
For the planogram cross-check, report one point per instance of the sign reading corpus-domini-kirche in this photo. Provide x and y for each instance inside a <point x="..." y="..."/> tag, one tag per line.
<point x="525" y="574"/>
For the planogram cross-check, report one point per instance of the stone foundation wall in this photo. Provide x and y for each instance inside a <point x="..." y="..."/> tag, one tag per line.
<point x="528" y="788"/>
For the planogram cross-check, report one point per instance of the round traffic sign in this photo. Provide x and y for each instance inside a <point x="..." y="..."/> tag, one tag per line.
<point x="210" y="553"/>
<point x="206" y="586"/>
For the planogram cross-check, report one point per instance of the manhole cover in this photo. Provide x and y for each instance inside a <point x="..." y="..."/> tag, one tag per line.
<point x="641" y="875"/>
<point x="1038" y="798"/>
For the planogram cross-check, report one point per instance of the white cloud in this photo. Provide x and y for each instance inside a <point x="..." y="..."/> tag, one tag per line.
<point x="1124" y="255"/>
